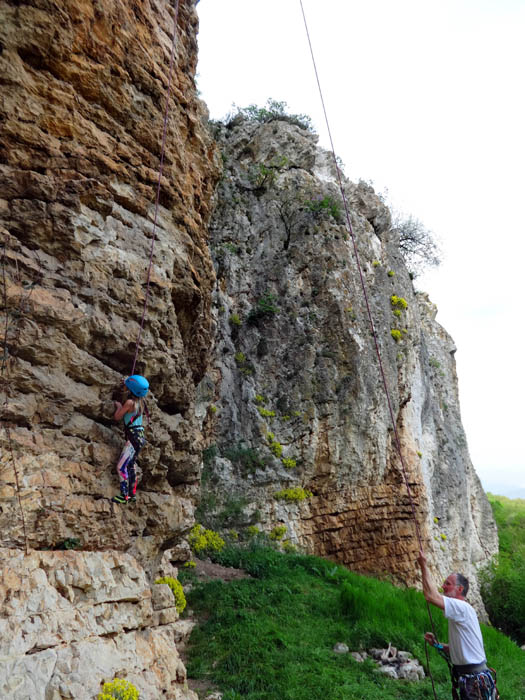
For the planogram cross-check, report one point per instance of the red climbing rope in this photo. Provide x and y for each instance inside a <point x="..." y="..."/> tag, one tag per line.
<point x="157" y="198"/>
<point x="365" y="294"/>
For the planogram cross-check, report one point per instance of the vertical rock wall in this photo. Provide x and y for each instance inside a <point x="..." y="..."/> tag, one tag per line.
<point x="83" y="90"/>
<point x="301" y="400"/>
<point x="82" y="94"/>
<point x="298" y="402"/>
<point x="72" y="620"/>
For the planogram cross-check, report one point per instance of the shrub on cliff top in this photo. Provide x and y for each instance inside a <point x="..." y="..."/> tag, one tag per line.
<point x="271" y="112"/>
<point x="118" y="689"/>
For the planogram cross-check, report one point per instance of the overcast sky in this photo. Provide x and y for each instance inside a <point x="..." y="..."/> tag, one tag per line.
<point x="426" y="99"/>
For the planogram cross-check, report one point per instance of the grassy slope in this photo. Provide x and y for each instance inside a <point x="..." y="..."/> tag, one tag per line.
<point x="503" y="586"/>
<point x="271" y="637"/>
<point x="509" y="515"/>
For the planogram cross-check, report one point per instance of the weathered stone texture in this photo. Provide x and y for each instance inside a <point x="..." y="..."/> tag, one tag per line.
<point x="83" y="87"/>
<point x="72" y="620"/>
<point x="312" y="362"/>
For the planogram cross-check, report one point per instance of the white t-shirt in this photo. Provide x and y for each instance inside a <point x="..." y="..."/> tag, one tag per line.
<point x="464" y="634"/>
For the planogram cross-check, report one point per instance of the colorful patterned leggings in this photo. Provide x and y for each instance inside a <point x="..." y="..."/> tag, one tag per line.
<point x="135" y="441"/>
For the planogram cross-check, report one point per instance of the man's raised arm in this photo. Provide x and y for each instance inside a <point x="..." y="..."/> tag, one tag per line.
<point x="430" y="591"/>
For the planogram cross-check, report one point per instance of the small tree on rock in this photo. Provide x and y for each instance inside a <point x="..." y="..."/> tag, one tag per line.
<point x="416" y="243"/>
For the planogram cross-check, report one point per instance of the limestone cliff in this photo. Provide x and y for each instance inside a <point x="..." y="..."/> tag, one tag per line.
<point x="291" y="396"/>
<point x="70" y="620"/>
<point x="300" y="400"/>
<point x="83" y="89"/>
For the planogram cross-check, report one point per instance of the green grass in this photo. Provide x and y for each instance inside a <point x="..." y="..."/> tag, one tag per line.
<point x="503" y="582"/>
<point x="509" y="515"/>
<point x="271" y="637"/>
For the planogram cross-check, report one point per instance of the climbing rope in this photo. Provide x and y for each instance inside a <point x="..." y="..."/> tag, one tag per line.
<point x="367" y="303"/>
<point x="157" y="198"/>
<point x="427" y="644"/>
<point x="16" y="316"/>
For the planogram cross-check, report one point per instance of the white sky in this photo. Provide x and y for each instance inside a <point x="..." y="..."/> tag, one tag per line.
<point x="426" y="99"/>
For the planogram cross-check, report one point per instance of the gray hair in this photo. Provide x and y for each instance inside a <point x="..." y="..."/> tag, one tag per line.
<point x="462" y="581"/>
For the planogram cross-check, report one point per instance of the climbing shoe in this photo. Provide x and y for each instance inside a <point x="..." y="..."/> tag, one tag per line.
<point x="132" y="499"/>
<point x="119" y="499"/>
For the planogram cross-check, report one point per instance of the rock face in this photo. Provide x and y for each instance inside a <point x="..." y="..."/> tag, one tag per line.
<point x="298" y="401"/>
<point x="83" y="87"/>
<point x="83" y="90"/>
<point x="71" y="620"/>
<point x="301" y="400"/>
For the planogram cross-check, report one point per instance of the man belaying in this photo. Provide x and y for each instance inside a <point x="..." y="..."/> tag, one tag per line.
<point x="131" y="411"/>
<point x="464" y="651"/>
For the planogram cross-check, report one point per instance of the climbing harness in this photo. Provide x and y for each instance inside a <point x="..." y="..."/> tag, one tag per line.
<point x="157" y="198"/>
<point x="470" y="682"/>
<point x="475" y="686"/>
<point x="473" y="681"/>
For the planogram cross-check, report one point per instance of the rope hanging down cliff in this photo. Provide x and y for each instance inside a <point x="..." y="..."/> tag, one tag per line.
<point x="367" y="304"/>
<point x="157" y="198"/>
<point x="14" y="307"/>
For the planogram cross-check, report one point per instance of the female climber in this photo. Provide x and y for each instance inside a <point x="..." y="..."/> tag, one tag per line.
<point x="132" y="411"/>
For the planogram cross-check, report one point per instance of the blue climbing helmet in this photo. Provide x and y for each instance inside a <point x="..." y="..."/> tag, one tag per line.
<point x="137" y="384"/>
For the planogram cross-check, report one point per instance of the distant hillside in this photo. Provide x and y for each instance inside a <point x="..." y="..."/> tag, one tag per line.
<point x="503" y="584"/>
<point x="504" y="489"/>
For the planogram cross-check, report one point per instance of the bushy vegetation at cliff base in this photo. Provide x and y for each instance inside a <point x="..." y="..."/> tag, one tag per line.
<point x="503" y="582"/>
<point x="271" y="637"/>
